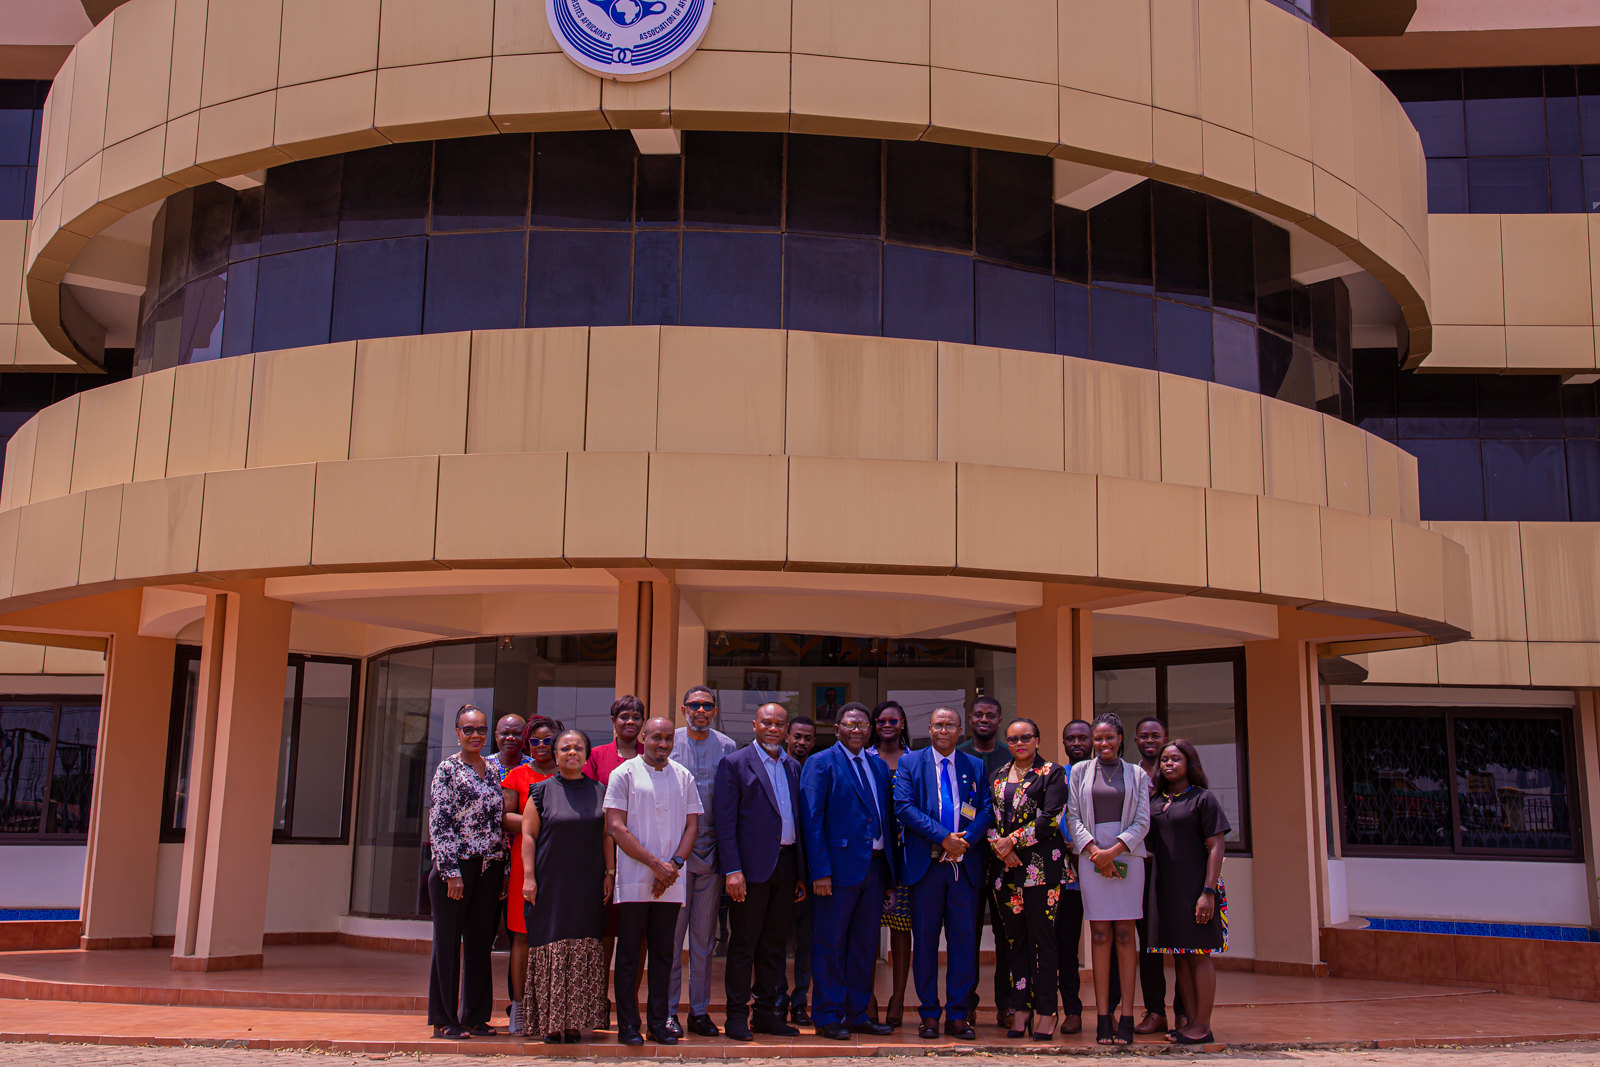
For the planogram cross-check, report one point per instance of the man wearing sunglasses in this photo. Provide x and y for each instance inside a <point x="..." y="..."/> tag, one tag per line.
<point x="699" y="749"/>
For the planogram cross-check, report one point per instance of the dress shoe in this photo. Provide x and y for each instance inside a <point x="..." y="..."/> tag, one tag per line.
<point x="834" y="1031"/>
<point x="1152" y="1023"/>
<point x="628" y="1035"/>
<point x="799" y="1016"/>
<point x="870" y="1027"/>
<point x="671" y="1026"/>
<point x="702" y="1025"/>
<point x="1072" y="1024"/>
<point x="774" y="1025"/>
<point x="662" y="1036"/>
<point x="959" y="1028"/>
<point x="928" y="1029"/>
<point x="450" y="1033"/>
<point x="738" y="1030"/>
<point x="482" y="1030"/>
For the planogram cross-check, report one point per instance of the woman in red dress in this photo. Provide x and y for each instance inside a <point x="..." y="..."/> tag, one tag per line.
<point x="539" y="739"/>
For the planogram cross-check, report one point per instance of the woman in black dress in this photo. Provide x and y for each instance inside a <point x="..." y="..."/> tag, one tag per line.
<point x="569" y="869"/>
<point x="1190" y="920"/>
<point x="1030" y="861"/>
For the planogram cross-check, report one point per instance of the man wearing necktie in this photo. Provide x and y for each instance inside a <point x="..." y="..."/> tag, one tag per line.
<point x="846" y="817"/>
<point x="942" y="801"/>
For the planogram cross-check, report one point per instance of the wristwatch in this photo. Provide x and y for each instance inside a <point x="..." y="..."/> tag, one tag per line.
<point x="678" y="862"/>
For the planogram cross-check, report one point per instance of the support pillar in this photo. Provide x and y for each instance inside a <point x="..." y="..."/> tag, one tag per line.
<point x="664" y="692"/>
<point x="1055" y="671"/>
<point x="222" y="896"/>
<point x="648" y="605"/>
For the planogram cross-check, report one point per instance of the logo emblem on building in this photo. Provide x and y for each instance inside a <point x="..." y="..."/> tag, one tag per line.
<point x="628" y="40"/>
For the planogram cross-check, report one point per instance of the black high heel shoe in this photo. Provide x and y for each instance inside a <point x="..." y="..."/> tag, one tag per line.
<point x="1102" y="1030"/>
<point x="1039" y="1035"/>
<point x="1020" y="1031"/>
<point x="1124" y="1031"/>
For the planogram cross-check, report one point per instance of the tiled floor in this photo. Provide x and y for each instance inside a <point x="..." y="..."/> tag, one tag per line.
<point x="352" y="1000"/>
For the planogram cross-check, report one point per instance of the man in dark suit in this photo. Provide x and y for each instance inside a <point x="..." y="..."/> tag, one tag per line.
<point x="847" y="820"/>
<point x="942" y="801"/>
<point x="757" y="806"/>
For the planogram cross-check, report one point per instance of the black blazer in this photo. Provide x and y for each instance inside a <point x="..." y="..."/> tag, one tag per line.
<point x="747" y="821"/>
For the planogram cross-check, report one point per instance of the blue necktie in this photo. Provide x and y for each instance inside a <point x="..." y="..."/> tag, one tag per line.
<point x="947" y="797"/>
<point x="866" y="784"/>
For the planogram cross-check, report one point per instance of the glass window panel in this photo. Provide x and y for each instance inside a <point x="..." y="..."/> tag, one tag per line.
<point x="927" y="295"/>
<point x="211" y="228"/>
<point x="302" y="204"/>
<point x="1589" y="108"/>
<point x="286" y="742"/>
<point x="1233" y="353"/>
<point x="180" y="750"/>
<point x="732" y="279"/>
<point x="1437" y="405"/>
<point x="583" y="179"/>
<point x="1233" y="282"/>
<point x="175" y="217"/>
<point x="1124" y="328"/>
<point x="166" y="331"/>
<point x="1129" y="693"/>
<point x="1183" y="263"/>
<point x="1447" y="186"/>
<point x="1591" y="183"/>
<point x="660" y="180"/>
<point x="835" y="185"/>
<point x="25" y="731"/>
<point x="1442" y="124"/>
<point x="294" y="299"/>
<point x="733" y="180"/>
<point x="1394" y="780"/>
<point x="1525" y="480"/>
<point x="16" y="192"/>
<point x="239" y="323"/>
<point x="1202" y="708"/>
<point x="481" y="183"/>
<point x="834" y="285"/>
<point x="1516" y="405"/>
<point x="1013" y="196"/>
<point x="1453" y="487"/>
<point x="1509" y="186"/>
<point x="1561" y="118"/>
<point x="385" y="192"/>
<point x="1073" y="337"/>
<point x="1121" y="239"/>
<point x="929" y="196"/>
<point x="1275" y="355"/>
<point x="578" y="278"/>
<point x="1580" y="411"/>
<point x="1505" y="111"/>
<point x="1274" y="287"/>
<point x="1511" y="783"/>
<point x="1583" y="480"/>
<point x="1014" y="308"/>
<point x="378" y="288"/>
<point x="1183" y="340"/>
<point x="474" y="282"/>
<point x="201" y="337"/>
<point x="16" y="136"/>
<point x="72" y="785"/>
<point x="324" y="742"/>
<point x="655" y="279"/>
<point x="390" y="862"/>
<point x="248" y="207"/>
<point x="1072" y="245"/>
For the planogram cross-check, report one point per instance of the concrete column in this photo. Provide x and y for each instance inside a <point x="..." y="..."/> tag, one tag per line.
<point x="119" y="874"/>
<point x="222" y="901"/>
<point x="1055" y="671"/>
<point x="691" y="650"/>
<point x="633" y="655"/>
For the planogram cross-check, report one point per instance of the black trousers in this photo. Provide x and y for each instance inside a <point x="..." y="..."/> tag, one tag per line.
<point x="989" y="899"/>
<point x="758" y="935"/>
<point x="652" y="924"/>
<point x="1069" y="944"/>
<point x="463" y="936"/>
<point x="799" y="994"/>
<point x="1032" y="952"/>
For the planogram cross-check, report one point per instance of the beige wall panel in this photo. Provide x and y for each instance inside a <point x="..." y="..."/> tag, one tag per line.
<point x="410" y="396"/>
<point x="606" y="495"/>
<point x="1113" y="420"/>
<point x="91" y="77"/>
<point x="1345" y="456"/>
<point x="141" y="68"/>
<point x="375" y="512"/>
<point x="964" y="38"/>
<point x="1547" y="281"/>
<point x="1563" y="664"/>
<point x="1467" y="347"/>
<point x="1292" y="452"/>
<point x="102" y="518"/>
<point x="155" y="424"/>
<point x="1236" y="459"/>
<point x="232" y="134"/>
<point x="1337" y="209"/>
<point x="1357" y="560"/>
<point x="300" y="405"/>
<point x="1179" y="143"/>
<point x="1291" y="549"/>
<point x="1404" y="666"/>
<point x="895" y="31"/>
<point x="188" y="56"/>
<point x="637" y="105"/>
<point x="108" y="427"/>
<point x="53" y="131"/>
<point x="424" y="31"/>
<point x="49" y="540"/>
<point x="1457" y="587"/>
<point x="73" y="661"/>
<point x="80" y="207"/>
<point x="1027" y="522"/>
<point x="328" y="116"/>
<point x="1225" y="63"/>
<point x="131" y="171"/>
<point x="258" y="519"/>
<point x="1104" y="48"/>
<point x="323" y="40"/>
<point x="1333" y="120"/>
<point x="434" y="100"/>
<point x="1174" y="56"/>
<point x="1558" y="560"/>
<point x="1285" y="179"/>
<point x="22" y="659"/>
<point x="1418" y="572"/>
<point x="624" y="369"/>
<point x="1383" y="477"/>
<point x="700" y="97"/>
<point x="180" y="148"/>
<point x="13" y="249"/>
<point x="210" y="416"/>
<point x="1103" y="128"/>
<point x="719" y="509"/>
<point x="1546" y="348"/>
<point x="1485" y="663"/>
<point x="1000" y="407"/>
<point x="720" y="390"/>
<point x="52" y="459"/>
<point x="1233" y="541"/>
<point x="544" y="92"/>
<point x="241" y="49"/>
<point x="846" y="397"/>
<point x="526" y="391"/>
<point x="1410" y="497"/>
<point x="9" y="521"/>
<point x="1152" y="532"/>
<point x="991" y="112"/>
<point x="921" y="496"/>
<point x="1280" y="76"/>
<point x="1185" y="430"/>
<point x="501" y="507"/>
<point x="8" y="343"/>
<point x="858" y="98"/>
<point x="522" y="29"/>
<point x="159" y="530"/>
<point x="1375" y="155"/>
<point x="750" y="26"/>
<point x="1229" y="159"/>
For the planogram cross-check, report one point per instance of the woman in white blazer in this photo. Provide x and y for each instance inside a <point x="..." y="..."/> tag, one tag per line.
<point x="1107" y="817"/>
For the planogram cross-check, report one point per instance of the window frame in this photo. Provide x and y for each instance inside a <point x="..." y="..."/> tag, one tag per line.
<point x="182" y="656"/>
<point x="57" y="701"/>
<point x="1160" y="661"/>
<point x="297" y="661"/>
<point x="1449" y="713"/>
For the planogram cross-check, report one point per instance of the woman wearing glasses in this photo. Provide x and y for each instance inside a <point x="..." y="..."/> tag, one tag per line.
<point x="1030" y="862"/>
<point x="889" y="743"/>
<point x="538" y="739"/>
<point x="468" y="842"/>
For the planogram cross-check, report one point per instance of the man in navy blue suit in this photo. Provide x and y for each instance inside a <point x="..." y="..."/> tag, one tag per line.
<point x="847" y="821"/>
<point x="757" y="805"/>
<point x="942" y="800"/>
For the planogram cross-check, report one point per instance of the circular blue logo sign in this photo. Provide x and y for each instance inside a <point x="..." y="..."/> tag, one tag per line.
<point x="628" y="40"/>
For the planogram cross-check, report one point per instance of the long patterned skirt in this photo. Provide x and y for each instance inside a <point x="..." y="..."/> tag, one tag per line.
<point x="566" y="987"/>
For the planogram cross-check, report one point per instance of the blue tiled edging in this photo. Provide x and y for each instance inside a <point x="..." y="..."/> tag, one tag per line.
<point x="1527" y="932"/>
<point x="12" y="915"/>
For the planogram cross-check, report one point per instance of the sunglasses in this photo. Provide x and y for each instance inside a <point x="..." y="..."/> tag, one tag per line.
<point x="1021" y="738"/>
<point x="701" y="705"/>
<point x="541" y="742"/>
<point x="473" y="731"/>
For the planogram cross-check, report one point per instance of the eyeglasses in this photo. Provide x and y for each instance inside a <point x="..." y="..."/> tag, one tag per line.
<point x="701" y="705"/>
<point x="1020" y="738"/>
<point x="541" y="742"/>
<point x="473" y="731"/>
<point x="944" y="727"/>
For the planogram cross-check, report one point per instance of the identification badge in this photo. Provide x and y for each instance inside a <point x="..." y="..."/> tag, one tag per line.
<point x="968" y="811"/>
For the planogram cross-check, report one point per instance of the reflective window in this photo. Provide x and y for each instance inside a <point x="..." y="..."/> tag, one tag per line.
<point x="315" y="750"/>
<point x="21" y="110"/>
<point x="47" y="759"/>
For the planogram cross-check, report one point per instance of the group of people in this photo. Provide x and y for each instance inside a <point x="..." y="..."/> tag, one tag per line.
<point x="629" y="850"/>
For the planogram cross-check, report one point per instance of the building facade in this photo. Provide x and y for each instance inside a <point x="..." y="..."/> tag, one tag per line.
<point x="1228" y="361"/>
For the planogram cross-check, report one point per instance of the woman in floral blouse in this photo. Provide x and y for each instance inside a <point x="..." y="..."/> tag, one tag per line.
<point x="465" y="886"/>
<point x="1031" y="858"/>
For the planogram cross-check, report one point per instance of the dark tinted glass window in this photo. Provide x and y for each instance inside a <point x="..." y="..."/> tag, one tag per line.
<point x="832" y="284"/>
<point x="1233" y="353"/>
<point x="1233" y="274"/>
<point x="1014" y="208"/>
<point x="1515" y="405"/>
<point x="1512" y="782"/>
<point x="378" y="287"/>
<point x="385" y="192"/>
<point x="929" y="194"/>
<point x="1072" y="245"/>
<point x="573" y="278"/>
<point x="474" y="282"/>
<point x="1505" y="112"/>
<point x="1525" y="480"/>
<point x="660" y="180"/>
<point x="47" y="765"/>
<point x="732" y="279"/>
<point x="1447" y="186"/>
<point x="1120" y="241"/>
<point x="201" y="336"/>
<point x="1073" y="337"/>
<point x="733" y="180"/>
<point x="16" y="192"/>
<point x="210" y="228"/>
<point x="835" y="185"/>
<point x="1183" y="340"/>
<point x="1014" y="308"/>
<point x="239" y="324"/>
<point x="1437" y="405"/>
<point x="1566" y="185"/>
<point x="174" y="235"/>
<point x="583" y="179"/>
<point x="302" y="205"/>
<point x="481" y="183"/>
<point x="1124" y="328"/>
<point x="1583" y="480"/>
<point x="248" y="206"/>
<point x="294" y="299"/>
<point x="1182" y="249"/>
<point x="1394" y="781"/>
<point x="1508" y="186"/>
<point x="1274" y="289"/>
<point x="1453" y="485"/>
<point x="655" y="278"/>
<point x="927" y="294"/>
